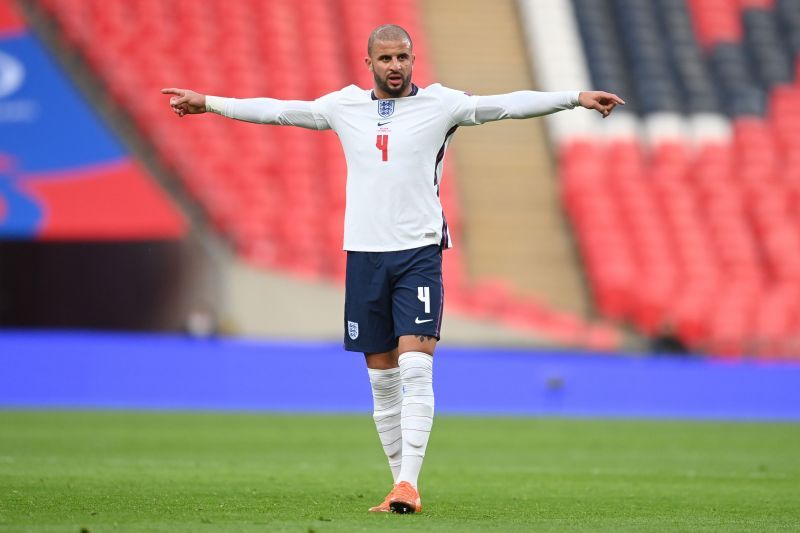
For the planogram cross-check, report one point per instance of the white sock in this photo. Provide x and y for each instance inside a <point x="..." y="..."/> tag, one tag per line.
<point x="387" y="397"/>
<point x="416" y="373"/>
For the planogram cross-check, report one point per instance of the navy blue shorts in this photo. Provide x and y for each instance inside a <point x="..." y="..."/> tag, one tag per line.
<point x="390" y="294"/>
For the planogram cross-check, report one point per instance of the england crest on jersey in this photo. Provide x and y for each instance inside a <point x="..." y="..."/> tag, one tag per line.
<point x="385" y="108"/>
<point x="352" y="329"/>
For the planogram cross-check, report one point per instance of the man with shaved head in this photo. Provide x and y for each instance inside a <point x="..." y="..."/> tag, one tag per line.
<point x="394" y="137"/>
<point x="386" y="33"/>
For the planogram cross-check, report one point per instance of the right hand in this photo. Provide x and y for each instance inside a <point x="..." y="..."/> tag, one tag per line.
<point x="601" y="101"/>
<point x="186" y="102"/>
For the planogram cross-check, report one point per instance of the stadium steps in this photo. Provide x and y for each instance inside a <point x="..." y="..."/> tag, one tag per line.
<point x="514" y="230"/>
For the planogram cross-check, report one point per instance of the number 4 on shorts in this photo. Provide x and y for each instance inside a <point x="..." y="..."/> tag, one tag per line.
<point x="424" y="296"/>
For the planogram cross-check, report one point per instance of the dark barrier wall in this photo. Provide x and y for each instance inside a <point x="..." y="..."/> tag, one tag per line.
<point x="118" y="285"/>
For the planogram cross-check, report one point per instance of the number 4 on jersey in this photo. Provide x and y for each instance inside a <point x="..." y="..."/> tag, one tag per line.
<point x="382" y="142"/>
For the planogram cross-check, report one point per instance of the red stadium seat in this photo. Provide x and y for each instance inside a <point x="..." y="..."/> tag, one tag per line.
<point x="279" y="195"/>
<point x="716" y="21"/>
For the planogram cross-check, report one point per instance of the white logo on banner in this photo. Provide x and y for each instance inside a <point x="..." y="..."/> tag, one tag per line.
<point x="12" y="74"/>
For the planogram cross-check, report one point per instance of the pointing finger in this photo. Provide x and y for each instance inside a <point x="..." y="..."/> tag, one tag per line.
<point x="614" y="98"/>
<point x="172" y="90"/>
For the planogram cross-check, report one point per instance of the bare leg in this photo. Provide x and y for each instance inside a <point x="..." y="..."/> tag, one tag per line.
<point x="416" y="343"/>
<point x="382" y="360"/>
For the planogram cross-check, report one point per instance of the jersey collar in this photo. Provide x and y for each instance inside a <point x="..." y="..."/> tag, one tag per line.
<point x="414" y="91"/>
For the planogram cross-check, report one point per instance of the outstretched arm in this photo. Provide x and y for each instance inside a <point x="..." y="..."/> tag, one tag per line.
<point x="259" y="110"/>
<point x="528" y="104"/>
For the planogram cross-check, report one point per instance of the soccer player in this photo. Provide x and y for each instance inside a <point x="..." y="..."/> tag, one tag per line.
<point x="394" y="138"/>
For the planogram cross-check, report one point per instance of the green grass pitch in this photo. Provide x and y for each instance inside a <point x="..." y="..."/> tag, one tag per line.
<point x="120" y="471"/>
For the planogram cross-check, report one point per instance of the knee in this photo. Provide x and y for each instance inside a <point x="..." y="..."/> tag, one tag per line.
<point x="416" y="367"/>
<point x="382" y="361"/>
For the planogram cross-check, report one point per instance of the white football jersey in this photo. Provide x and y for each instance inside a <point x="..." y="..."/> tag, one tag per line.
<point x="394" y="150"/>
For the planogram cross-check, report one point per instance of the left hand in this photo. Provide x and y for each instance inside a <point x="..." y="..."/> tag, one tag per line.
<point x="186" y="102"/>
<point x="602" y="101"/>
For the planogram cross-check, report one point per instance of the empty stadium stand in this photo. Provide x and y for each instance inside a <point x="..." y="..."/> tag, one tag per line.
<point x="697" y="233"/>
<point x="278" y="195"/>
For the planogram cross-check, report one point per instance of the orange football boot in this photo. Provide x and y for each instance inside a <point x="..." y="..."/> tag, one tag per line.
<point x="383" y="507"/>
<point x="404" y="499"/>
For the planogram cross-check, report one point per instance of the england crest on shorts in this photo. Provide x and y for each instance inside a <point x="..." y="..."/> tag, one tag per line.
<point x="352" y="329"/>
<point x="385" y="108"/>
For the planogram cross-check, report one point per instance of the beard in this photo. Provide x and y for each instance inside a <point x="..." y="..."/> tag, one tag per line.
<point x="394" y="93"/>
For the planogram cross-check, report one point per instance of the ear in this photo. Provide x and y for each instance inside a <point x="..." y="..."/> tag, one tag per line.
<point x="368" y="62"/>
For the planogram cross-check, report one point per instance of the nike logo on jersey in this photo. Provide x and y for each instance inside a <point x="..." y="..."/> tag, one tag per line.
<point x="418" y="321"/>
<point x="384" y="123"/>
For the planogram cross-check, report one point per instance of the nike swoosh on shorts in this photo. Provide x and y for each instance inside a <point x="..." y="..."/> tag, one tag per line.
<point x="418" y="321"/>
